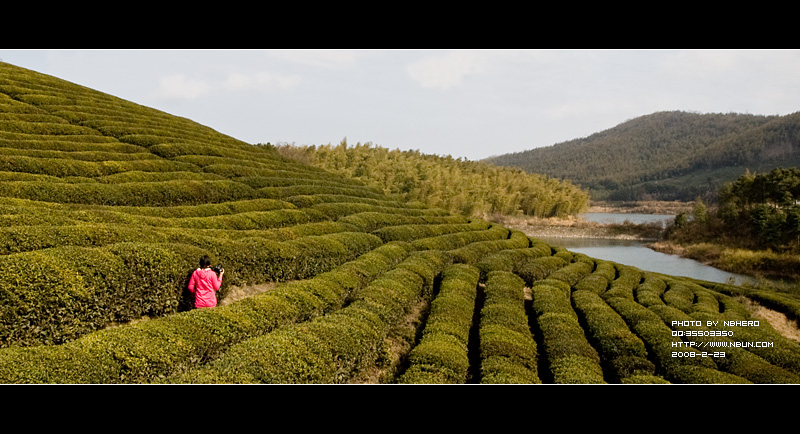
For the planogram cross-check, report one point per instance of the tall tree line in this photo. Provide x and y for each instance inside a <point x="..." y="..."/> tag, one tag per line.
<point x="461" y="186"/>
<point x="757" y="210"/>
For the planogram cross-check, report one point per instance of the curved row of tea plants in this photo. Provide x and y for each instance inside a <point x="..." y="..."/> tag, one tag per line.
<point x="54" y="295"/>
<point x="442" y="355"/>
<point x="149" y="350"/>
<point x="508" y="352"/>
<point x="332" y="348"/>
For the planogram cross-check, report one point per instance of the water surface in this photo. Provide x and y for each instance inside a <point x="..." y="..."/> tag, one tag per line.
<point x="636" y="254"/>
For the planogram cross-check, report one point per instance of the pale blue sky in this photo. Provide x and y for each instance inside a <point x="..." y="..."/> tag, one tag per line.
<point x="464" y="103"/>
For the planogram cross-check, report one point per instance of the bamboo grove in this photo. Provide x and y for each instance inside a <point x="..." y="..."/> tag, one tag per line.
<point x="460" y="186"/>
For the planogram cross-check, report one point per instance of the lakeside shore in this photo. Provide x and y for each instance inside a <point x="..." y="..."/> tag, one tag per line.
<point x="767" y="264"/>
<point x="574" y="227"/>
<point x="649" y="207"/>
<point x="764" y="263"/>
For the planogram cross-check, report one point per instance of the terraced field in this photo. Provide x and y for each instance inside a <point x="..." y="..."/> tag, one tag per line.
<point x="106" y="206"/>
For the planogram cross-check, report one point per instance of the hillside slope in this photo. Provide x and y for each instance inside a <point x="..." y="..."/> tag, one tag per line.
<point x="667" y="155"/>
<point x="105" y="206"/>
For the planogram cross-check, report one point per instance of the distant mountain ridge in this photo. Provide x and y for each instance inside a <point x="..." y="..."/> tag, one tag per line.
<point x="672" y="155"/>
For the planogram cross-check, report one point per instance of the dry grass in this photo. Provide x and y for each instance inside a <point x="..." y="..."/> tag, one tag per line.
<point x="643" y="207"/>
<point x="236" y="293"/>
<point x="787" y="327"/>
<point x="668" y="247"/>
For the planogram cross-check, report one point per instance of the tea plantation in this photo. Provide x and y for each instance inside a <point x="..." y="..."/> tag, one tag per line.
<point x="106" y="206"/>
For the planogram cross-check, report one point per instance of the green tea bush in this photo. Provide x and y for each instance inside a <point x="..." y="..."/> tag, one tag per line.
<point x="452" y="309"/>
<point x="144" y="279"/>
<point x="155" y="349"/>
<point x="657" y="336"/>
<point x="679" y="295"/>
<point x="474" y="252"/>
<point x="413" y="232"/>
<point x="259" y="182"/>
<point x="628" y="279"/>
<point x="140" y="176"/>
<point x="572" y="273"/>
<point x="439" y="358"/>
<point x="563" y="253"/>
<point x="245" y="153"/>
<point x="346" y="341"/>
<point x="167" y="193"/>
<point x="651" y="290"/>
<point x="98" y="156"/>
<point x="455" y="240"/>
<point x="736" y="361"/>
<point x="67" y="143"/>
<point x="371" y="221"/>
<point x="511" y="260"/>
<point x="204" y="209"/>
<point x="37" y="295"/>
<point x="335" y="211"/>
<point x="598" y="281"/>
<point x="317" y="199"/>
<point x="63" y="167"/>
<point x="622" y="351"/>
<point x="539" y="268"/>
<point x="295" y="189"/>
<point x="287" y="355"/>
<point x="705" y="300"/>
<point x="504" y="332"/>
<point x="442" y="354"/>
<point x="569" y="355"/>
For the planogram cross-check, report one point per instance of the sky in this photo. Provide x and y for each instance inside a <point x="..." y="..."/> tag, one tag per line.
<point x="465" y="103"/>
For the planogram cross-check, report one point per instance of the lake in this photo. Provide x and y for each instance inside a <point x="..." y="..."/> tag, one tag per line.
<point x="636" y="254"/>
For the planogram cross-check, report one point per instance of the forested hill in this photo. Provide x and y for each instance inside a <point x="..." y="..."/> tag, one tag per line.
<point x="460" y="186"/>
<point x="667" y="155"/>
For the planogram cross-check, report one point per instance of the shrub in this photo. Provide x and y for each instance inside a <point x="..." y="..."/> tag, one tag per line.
<point x="628" y="279"/>
<point x="539" y="268"/>
<point x="737" y="361"/>
<point x="154" y="349"/>
<point x="657" y="336"/>
<point x="563" y="338"/>
<point x="441" y="356"/>
<point x="413" y="232"/>
<point x="455" y="240"/>
<point x="345" y="341"/>
<point x="439" y="353"/>
<point x="474" y="252"/>
<point x="598" y="281"/>
<point x="622" y="351"/>
<point x="504" y="329"/>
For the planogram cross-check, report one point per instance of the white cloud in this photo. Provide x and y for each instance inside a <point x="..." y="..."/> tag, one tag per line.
<point x="447" y="71"/>
<point x="326" y="59"/>
<point x="178" y="86"/>
<point x="261" y="81"/>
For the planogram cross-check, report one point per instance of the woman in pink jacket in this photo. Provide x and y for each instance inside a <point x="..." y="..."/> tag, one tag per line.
<point x="204" y="284"/>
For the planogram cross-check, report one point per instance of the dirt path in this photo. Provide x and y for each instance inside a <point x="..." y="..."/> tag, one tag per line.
<point x="236" y="293"/>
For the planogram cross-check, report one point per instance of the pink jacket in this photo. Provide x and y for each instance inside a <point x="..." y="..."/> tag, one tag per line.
<point x="204" y="283"/>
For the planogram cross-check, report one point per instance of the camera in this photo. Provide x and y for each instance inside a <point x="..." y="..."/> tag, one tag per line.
<point x="218" y="269"/>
